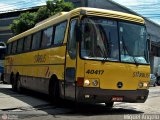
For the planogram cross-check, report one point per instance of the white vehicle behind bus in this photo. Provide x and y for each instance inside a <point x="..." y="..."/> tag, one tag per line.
<point x="2" y="54"/>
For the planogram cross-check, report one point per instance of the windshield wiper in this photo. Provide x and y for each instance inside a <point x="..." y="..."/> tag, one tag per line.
<point x="103" y="53"/>
<point x="108" y="50"/>
<point x="126" y="49"/>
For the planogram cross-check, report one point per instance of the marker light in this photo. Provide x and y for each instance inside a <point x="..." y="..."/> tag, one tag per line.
<point x="143" y="84"/>
<point x="94" y="82"/>
<point x="140" y="84"/>
<point x="83" y="12"/>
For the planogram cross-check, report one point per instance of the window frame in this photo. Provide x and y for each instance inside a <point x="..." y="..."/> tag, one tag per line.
<point x="58" y="44"/>
<point x="24" y="41"/>
<point x="52" y="45"/>
<point x="14" y="52"/>
<point x="68" y="38"/>
<point x="42" y="33"/>
<point x="9" y="51"/>
<point x="40" y="40"/>
<point x="22" y="48"/>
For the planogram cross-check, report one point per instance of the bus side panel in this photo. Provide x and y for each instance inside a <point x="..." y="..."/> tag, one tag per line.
<point x="37" y="67"/>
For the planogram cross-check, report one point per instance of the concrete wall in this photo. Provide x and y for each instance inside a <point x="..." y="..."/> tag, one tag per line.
<point x="106" y="4"/>
<point x="5" y="21"/>
<point x="154" y="30"/>
<point x="5" y="32"/>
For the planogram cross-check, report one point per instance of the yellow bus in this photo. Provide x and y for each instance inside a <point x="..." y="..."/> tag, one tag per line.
<point x="85" y="55"/>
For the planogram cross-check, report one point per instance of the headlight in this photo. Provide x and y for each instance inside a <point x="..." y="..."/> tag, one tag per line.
<point x="86" y="82"/>
<point x="143" y="84"/>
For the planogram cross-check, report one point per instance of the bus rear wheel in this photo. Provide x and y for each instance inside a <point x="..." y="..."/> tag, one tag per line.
<point x="54" y="92"/>
<point x="19" y="86"/>
<point x="13" y="83"/>
<point x="109" y="105"/>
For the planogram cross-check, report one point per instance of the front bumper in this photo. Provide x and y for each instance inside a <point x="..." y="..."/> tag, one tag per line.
<point x="97" y="95"/>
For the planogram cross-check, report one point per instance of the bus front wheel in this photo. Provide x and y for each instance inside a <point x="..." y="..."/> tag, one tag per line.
<point x="158" y="81"/>
<point x="109" y="105"/>
<point x="54" y="92"/>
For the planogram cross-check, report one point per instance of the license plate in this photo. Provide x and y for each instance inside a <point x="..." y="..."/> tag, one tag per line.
<point x="117" y="98"/>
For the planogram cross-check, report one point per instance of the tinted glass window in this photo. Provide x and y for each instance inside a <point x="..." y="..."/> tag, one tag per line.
<point x="2" y="53"/>
<point x="36" y="40"/>
<point x="72" y="39"/>
<point x="9" y="48"/>
<point x="20" y="45"/>
<point x="14" y="47"/>
<point x="133" y="42"/>
<point x="99" y="39"/>
<point x="59" y="33"/>
<point x="47" y="37"/>
<point x="27" y="43"/>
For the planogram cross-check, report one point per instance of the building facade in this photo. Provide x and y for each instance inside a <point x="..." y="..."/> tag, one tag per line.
<point x="5" y="21"/>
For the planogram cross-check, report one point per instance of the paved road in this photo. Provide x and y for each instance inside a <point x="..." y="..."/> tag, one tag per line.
<point x="35" y="106"/>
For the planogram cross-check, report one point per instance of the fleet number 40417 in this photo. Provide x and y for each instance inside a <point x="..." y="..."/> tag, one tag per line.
<point x="98" y="72"/>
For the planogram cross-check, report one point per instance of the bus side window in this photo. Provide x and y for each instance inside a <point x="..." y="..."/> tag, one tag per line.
<point x="60" y="33"/>
<point x="27" y="43"/>
<point x="9" y="48"/>
<point x="36" y="40"/>
<point x="72" y="39"/>
<point x="20" y="45"/>
<point x="47" y="37"/>
<point x="14" y="47"/>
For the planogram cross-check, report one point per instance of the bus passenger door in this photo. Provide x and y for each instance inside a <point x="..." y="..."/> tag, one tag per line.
<point x="70" y="69"/>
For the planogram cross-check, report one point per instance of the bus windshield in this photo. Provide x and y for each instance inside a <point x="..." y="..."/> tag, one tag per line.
<point x="133" y="43"/>
<point x="105" y="39"/>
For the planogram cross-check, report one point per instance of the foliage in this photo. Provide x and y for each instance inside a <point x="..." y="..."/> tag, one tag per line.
<point x="24" y="22"/>
<point x="28" y="20"/>
<point x="42" y="14"/>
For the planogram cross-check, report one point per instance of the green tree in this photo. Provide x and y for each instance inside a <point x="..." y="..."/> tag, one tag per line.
<point x="42" y="14"/>
<point x="28" y="20"/>
<point x="56" y="6"/>
<point x="24" y="22"/>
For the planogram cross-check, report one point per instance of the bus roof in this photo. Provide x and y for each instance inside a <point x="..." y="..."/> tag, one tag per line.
<point x="62" y="16"/>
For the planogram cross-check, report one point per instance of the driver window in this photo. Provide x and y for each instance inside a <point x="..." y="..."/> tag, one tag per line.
<point x="72" y="39"/>
<point x="93" y="43"/>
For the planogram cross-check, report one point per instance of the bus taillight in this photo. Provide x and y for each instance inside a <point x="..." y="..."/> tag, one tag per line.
<point x="80" y="81"/>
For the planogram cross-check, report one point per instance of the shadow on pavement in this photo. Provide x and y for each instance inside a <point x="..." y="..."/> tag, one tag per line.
<point x="66" y="107"/>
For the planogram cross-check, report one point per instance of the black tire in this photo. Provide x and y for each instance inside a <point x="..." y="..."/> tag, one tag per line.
<point x="154" y="85"/>
<point x="13" y="83"/>
<point x="54" y="91"/>
<point x="2" y="77"/>
<point x="19" y="86"/>
<point x="158" y="81"/>
<point x="109" y="105"/>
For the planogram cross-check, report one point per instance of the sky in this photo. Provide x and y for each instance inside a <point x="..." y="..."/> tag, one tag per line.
<point x="6" y="5"/>
<point x="147" y="8"/>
